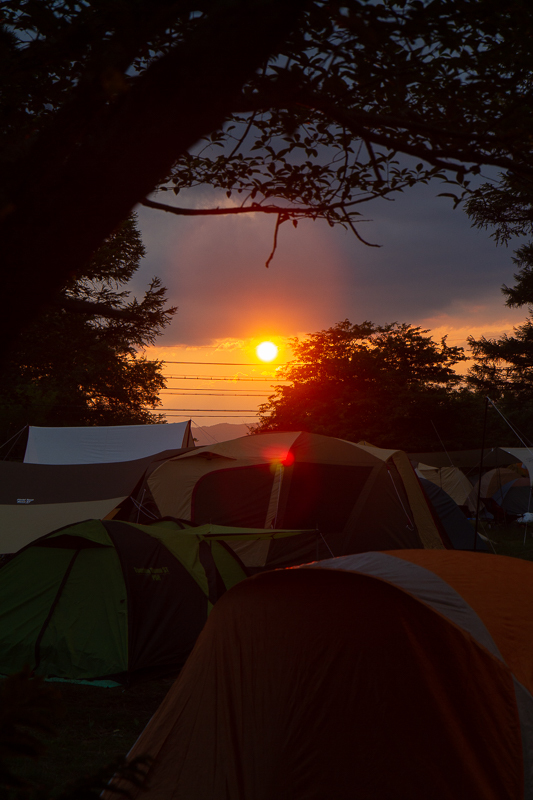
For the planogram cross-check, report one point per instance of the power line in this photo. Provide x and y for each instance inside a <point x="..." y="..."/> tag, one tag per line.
<point x="214" y="389"/>
<point x="223" y="363"/>
<point x="212" y="394"/>
<point x="210" y="389"/>
<point x="214" y="416"/>
<point x="224" y="410"/>
<point x="216" y="378"/>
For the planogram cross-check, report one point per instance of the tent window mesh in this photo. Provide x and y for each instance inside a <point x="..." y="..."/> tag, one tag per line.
<point x="238" y="496"/>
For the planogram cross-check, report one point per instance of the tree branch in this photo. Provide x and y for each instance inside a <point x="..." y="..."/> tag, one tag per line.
<point x="57" y="220"/>
<point x="216" y="212"/>
<point x="279" y="220"/>
<point x="369" y="127"/>
<point x="78" y="306"/>
<point x="353" y="228"/>
<point x="243" y="137"/>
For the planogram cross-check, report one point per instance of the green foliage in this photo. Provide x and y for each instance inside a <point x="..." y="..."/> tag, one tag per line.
<point x="503" y="366"/>
<point x="506" y="207"/>
<point x="320" y="127"/>
<point x="81" y="362"/>
<point x="391" y="385"/>
<point x="521" y="294"/>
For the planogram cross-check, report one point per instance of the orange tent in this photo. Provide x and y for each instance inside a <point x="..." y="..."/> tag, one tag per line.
<point x="402" y="675"/>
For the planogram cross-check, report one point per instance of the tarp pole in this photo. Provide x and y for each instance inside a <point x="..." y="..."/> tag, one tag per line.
<point x="480" y="470"/>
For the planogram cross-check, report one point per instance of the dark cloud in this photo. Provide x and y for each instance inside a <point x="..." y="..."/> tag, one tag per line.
<point x="431" y="261"/>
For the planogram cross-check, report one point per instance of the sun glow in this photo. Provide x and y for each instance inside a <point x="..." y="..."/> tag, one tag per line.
<point x="266" y="351"/>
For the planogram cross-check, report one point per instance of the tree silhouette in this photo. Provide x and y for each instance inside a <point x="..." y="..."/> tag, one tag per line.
<point x="390" y="385"/>
<point x="303" y="107"/>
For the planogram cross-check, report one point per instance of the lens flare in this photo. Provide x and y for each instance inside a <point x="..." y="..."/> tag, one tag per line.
<point x="266" y="351"/>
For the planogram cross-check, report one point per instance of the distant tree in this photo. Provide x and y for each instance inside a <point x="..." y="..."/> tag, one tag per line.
<point x="390" y="385"/>
<point x="80" y="362"/>
<point x="303" y="108"/>
<point x="504" y="207"/>
<point x="503" y="368"/>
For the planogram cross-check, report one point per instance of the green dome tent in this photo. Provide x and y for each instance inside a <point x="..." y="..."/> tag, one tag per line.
<point x="103" y="599"/>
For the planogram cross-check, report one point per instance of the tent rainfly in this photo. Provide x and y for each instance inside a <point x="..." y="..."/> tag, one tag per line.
<point x="107" y="599"/>
<point x="451" y="479"/>
<point x="400" y="675"/>
<point x="36" y="499"/>
<point x="460" y="531"/>
<point x="357" y="497"/>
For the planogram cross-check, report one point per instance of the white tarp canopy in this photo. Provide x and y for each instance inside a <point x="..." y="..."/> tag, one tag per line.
<point x="104" y="444"/>
<point x="525" y="456"/>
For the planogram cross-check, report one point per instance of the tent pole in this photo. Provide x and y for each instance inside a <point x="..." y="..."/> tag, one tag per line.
<point x="480" y="470"/>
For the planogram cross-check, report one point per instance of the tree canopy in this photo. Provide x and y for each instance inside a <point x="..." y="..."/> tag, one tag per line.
<point x="503" y="368"/>
<point x="504" y="365"/>
<point x="302" y="108"/>
<point x="80" y="361"/>
<point x="390" y="385"/>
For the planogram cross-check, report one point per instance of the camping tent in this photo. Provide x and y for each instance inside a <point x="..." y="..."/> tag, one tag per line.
<point x="468" y="460"/>
<point x="507" y="489"/>
<point x="461" y="533"/>
<point x="451" y="479"/>
<point x="259" y="549"/>
<point x="36" y="499"/>
<point x="104" y="444"/>
<point x="108" y="598"/>
<point x="515" y="497"/>
<point x="522" y="455"/>
<point x="494" y="480"/>
<point x="381" y="675"/>
<point x="358" y="497"/>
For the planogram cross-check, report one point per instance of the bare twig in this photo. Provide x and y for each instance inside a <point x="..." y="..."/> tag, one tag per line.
<point x="373" y="160"/>
<point x="281" y="218"/>
<point x="352" y="226"/>
<point x="243" y="137"/>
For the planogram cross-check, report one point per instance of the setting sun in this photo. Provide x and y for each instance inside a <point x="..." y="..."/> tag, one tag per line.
<point x="266" y="351"/>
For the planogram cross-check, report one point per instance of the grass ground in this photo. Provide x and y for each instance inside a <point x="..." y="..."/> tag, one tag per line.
<point x="509" y="539"/>
<point x="100" y="725"/>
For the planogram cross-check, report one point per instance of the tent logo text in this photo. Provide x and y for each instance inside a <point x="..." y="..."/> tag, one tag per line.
<point x="156" y="573"/>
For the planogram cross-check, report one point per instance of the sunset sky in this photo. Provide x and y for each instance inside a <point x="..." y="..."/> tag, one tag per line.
<point x="432" y="269"/>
